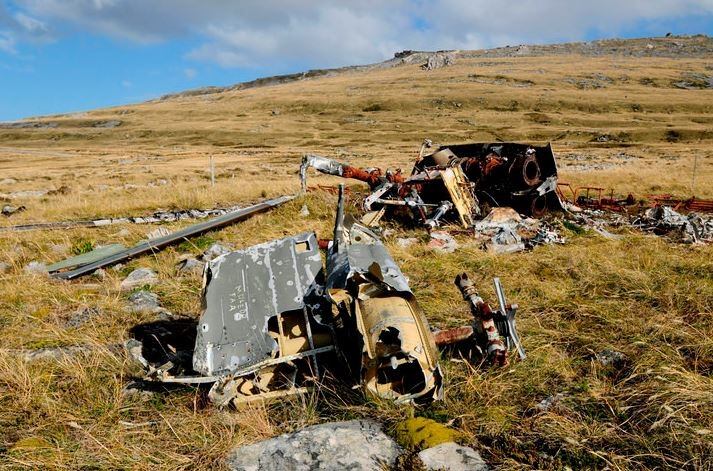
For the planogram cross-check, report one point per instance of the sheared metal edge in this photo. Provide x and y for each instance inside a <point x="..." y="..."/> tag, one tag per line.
<point x="242" y="291"/>
<point x="358" y="252"/>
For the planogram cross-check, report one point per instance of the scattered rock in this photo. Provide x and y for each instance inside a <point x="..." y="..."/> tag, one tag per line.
<point x="610" y="357"/>
<point x="450" y="456"/>
<point x="439" y="60"/>
<point x="304" y="212"/>
<point x="9" y="210"/>
<point x="36" y="267"/>
<point x="124" y="233"/>
<point x="190" y="264"/>
<point x="112" y="123"/>
<point x="354" y="445"/>
<point x="99" y="273"/>
<point x="406" y="242"/>
<point x="8" y="181"/>
<point x="550" y="402"/>
<point x="442" y="242"/>
<point x="214" y="251"/>
<point x="4" y="268"/>
<point x="142" y="301"/>
<point x="81" y="316"/>
<point x="139" y="277"/>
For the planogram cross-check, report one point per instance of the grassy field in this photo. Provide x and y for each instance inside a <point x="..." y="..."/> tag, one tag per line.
<point x="614" y="121"/>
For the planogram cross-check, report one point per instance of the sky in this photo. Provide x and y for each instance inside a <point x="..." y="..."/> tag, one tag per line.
<point x="59" y="56"/>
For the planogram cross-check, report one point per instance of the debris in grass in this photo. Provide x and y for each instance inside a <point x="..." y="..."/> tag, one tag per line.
<point x="442" y="242"/>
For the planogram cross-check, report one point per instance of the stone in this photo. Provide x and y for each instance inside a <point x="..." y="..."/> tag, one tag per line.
<point x="8" y="210"/>
<point x="406" y="242"/>
<point x="190" y="264"/>
<point x="304" y="212"/>
<point x="139" y="277"/>
<point x="142" y="301"/>
<point x="37" y="268"/>
<point x="8" y="181"/>
<point x="442" y="242"/>
<point x="450" y="456"/>
<point x="82" y="316"/>
<point x="610" y="358"/>
<point x="4" y="268"/>
<point x="439" y="60"/>
<point x="549" y="402"/>
<point x="355" y="445"/>
<point x="214" y="251"/>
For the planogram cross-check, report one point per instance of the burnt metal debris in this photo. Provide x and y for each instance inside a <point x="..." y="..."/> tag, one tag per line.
<point x="380" y="324"/>
<point x="273" y="320"/>
<point x="493" y="332"/>
<point x="456" y="183"/>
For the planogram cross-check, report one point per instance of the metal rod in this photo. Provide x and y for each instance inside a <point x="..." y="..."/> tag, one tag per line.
<point x="175" y="237"/>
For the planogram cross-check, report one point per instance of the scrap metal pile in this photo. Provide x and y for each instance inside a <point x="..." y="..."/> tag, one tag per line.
<point x="455" y="183"/>
<point x="274" y="321"/>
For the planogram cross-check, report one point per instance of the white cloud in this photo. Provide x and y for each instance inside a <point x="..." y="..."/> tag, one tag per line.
<point x="7" y="44"/>
<point x="272" y="33"/>
<point x="190" y="73"/>
<point x="127" y="84"/>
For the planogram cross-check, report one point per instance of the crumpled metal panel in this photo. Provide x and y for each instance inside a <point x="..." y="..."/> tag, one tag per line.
<point x="242" y="291"/>
<point x="398" y="353"/>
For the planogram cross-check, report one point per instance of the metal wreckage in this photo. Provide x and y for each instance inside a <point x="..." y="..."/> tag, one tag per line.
<point x="274" y="322"/>
<point x="455" y="183"/>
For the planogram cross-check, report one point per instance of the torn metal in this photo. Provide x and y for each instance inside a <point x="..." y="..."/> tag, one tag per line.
<point x="457" y="183"/>
<point x="493" y="332"/>
<point x="261" y="328"/>
<point x="272" y="322"/>
<point x="662" y="220"/>
<point x="380" y="325"/>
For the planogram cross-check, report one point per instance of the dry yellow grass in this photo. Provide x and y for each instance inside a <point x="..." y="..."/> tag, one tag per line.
<point x="642" y="296"/>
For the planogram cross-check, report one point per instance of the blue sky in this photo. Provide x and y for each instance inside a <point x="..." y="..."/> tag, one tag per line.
<point x="60" y="56"/>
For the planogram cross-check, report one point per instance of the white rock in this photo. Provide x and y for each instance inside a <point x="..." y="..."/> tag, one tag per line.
<point x="214" y="251"/>
<point x="355" y="445"/>
<point x="450" y="456"/>
<point x="139" y="277"/>
<point x="144" y="301"/>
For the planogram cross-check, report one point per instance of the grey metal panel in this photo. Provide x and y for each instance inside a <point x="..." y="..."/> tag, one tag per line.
<point x="243" y="290"/>
<point x="173" y="238"/>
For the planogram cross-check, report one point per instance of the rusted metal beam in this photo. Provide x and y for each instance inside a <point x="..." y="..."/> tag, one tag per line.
<point x="173" y="238"/>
